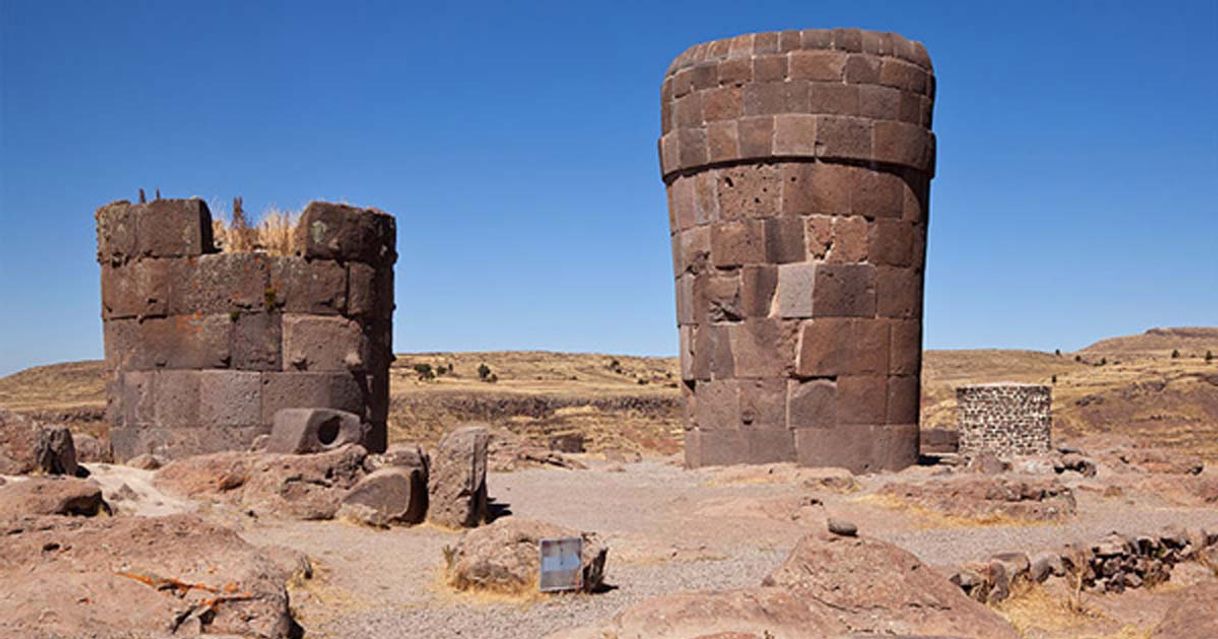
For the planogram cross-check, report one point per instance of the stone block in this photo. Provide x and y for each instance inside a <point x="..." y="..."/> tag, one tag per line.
<point x="894" y="446"/>
<point x="692" y="148"/>
<point x="341" y="232"/>
<point x="174" y="443"/>
<point x="320" y="287"/>
<point x="899" y="292"/>
<point x="762" y="347"/>
<point x="718" y="405"/>
<point x="715" y="448"/>
<point x="173" y="228"/>
<point x="795" y="282"/>
<point x="850" y="240"/>
<point x="722" y="297"/>
<point x="299" y="389"/>
<point x="300" y="431"/>
<point x="323" y="343"/>
<point x="770" y="68"/>
<point x="842" y="446"/>
<point x="834" y="98"/>
<point x="681" y="203"/>
<point x="685" y="300"/>
<point x="769" y="445"/>
<point x="176" y="398"/>
<point x="862" y="69"/>
<point x="723" y="141"/>
<point x="457" y="486"/>
<point x="723" y="104"/>
<point x="229" y="398"/>
<point x="756" y="135"/>
<point x="904" y="393"/>
<point x="706" y="198"/>
<point x="880" y="103"/>
<point x="876" y="194"/>
<point x="388" y="495"/>
<point x="811" y="404"/>
<point x="830" y="347"/>
<point x="116" y="233"/>
<point x="904" y="144"/>
<point x="862" y="399"/>
<point x="902" y="75"/>
<point x="695" y="249"/>
<point x="256" y="341"/>
<point x="749" y="191"/>
<point x="819" y="66"/>
<point x="762" y="403"/>
<point x="784" y="240"/>
<point x="737" y="243"/>
<point x="685" y="337"/>
<point x="227" y="282"/>
<point x="795" y="134"/>
<point x="765" y="98"/>
<point x="687" y="110"/>
<point x="843" y="137"/>
<point x="757" y="285"/>
<point x="891" y="243"/>
<point x="905" y="356"/>
<point x="179" y="341"/>
<point x="137" y="398"/>
<point x="140" y="288"/>
<point x="844" y="290"/>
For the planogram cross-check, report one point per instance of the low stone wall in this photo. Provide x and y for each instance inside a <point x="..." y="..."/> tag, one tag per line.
<point x="202" y="348"/>
<point x="1004" y="419"/>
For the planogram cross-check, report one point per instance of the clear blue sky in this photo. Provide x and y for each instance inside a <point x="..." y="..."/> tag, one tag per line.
<point x="1077" y="194"/>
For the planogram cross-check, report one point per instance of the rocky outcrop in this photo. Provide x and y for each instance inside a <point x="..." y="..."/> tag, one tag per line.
<point x="138" y="577"/>
<point x="1192" y="615"/>
<point x="986" y="498"/>
<point x="830" y="587"/>
<point x="18" y="437"/>
<point x="55" y="452"/>
<point x="457" y="486"/>
<point x="393" y="494"/>
<point x="286" y="486"/>
<point x="51" y="496"/>
<point x="504" y="557"/>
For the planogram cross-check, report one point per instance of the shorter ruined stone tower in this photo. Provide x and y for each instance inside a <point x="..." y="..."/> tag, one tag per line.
<point x="202" y="347"/>
<point x="1004" y="419"/>
<point x="798" y="168"/>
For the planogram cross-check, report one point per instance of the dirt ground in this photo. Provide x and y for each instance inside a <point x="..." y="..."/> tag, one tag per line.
<point x="671" y="529"/>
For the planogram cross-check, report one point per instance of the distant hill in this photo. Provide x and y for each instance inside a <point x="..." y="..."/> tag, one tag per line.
<point x="1189" y="341"/>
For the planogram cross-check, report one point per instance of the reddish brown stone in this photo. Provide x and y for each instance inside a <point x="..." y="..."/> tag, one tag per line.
<point x="842" y="137"/>
<point x="763" y="403"/>
<point x="765" y="98"/>
<point x="903" y="396"/>
<point x="685" y="300"/>
<point x="899" y="292"/>
<point x="844" y="290"/>
<point x="762" y="347"/>
<point x="797" y="188"/>
<point x="850" y="240"/>
<point x="862" y="69"/>
<point x="297" y="285"/>
<point x="687" y="110"/>
<point x="795" y="134"/>
<point x="756" y="135"/>
<point x="877" y="194"/>
<point x="227" y="282"/>
<point x="848" y="40"/>
<point x="722" y="293"/>
<point x="891" y="243"/>
<point x="881" y="103"/>
<point x="819" y="66"/>
<point x="692" y="149"/>
<point x="811" y="404"/>
<point x="757" y="286"/>
<point x="834" y="98"/>
<point x="319" y="343"/>
<point x="256" y="341"/>
<point x="900" y="143"/>
<point x="695" y="249"/>
<point x="176" y="397"/>
<point x="748" y="191"/>
<point x="832" y="186"/>
<point x="831" y="347"/>
<point x="704" y="76"/>
<point x="784" y="240"/>
<point x="794" y="290"/>
<point x="723" y="141"/>
<point x="906" y="344"/>
<point x="715" y="448"/>
<point x="894" y="446"/>
<point x="818" y="234"/>
<point x="862" y="399"/>
<point x="299" y="389"/>
<point x="770" y="68"/>
<point x="735" y="72"/>
<point x="179" y="341"/>
<point x="229" y="398"/>
<point x="681" y="200"/>
<point x="369" y="291"/>
<point x="902" y="75"/>
<point x="723" y="103"/>
<point x="843" y="446"/>
<point x="173" y="228"/>
<point x="718" y="406"/>
<point x="737" y="243"/>
<point x="116" y="232"/>
<point x="769" y="445"/>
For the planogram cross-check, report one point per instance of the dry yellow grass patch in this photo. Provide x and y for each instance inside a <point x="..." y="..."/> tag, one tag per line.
<point x="1037" y="613"/>
<point x="274" y="234"/>
<point x="929" y="518"/>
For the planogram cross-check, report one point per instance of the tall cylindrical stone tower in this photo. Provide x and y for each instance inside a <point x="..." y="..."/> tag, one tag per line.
<point x="798" y="167"/>
<point x="203" y="347"/>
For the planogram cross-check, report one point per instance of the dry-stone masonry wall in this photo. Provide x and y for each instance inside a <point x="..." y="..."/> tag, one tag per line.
<point x="1004" y="419"/>
<point x="202" y="347"/>
<point x="798" y="166"/>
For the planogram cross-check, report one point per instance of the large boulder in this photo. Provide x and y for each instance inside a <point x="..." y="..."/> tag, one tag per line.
<point x="54" y="451"/>
<point x="285" y="486"/>
<point x="51" y="496"/>
<point x="505" y="557"/>
<point x="829" y="587"/>
<point x="126" y="577"/>
<point x="18" y="437"/>
<point x="393" y="494"/>
<point x="457" y="485"/>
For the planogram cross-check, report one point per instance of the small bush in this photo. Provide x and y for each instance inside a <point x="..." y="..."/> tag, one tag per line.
<point x="1209" y="356"/>
<point x="1175" y="354"/>
<point x="424" y="372"/>
<point x="484" y="372"/>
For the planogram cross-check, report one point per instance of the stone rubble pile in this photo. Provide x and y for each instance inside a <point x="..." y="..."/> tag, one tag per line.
<point x="1111" y="564"/>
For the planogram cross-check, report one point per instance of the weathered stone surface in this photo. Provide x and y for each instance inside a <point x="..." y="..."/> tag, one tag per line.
<point x="18" y="438"/>
<point x="319" y="343"/>
<point x="123" y="577"/>
<point x="342" y="232"/>
<point x="1190" y="616"/>
<point x="457" y="484"/>
<point x="394" y="494"/>
<point x="1004" y="419"/>
<point x="146" y="461"/>
<point x="990" y="498"/>
<point x="313" y="430"/>
<point x="51" y="496"/>
<point x="54" y="452"/>
<point x="505" y="557"/>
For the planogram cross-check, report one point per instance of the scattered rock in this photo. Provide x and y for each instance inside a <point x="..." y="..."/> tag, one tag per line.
<point x="146" y="461"/>
<point x="1077" y="463"/>
<point x="567" y="442"/>
<point x="393" y="494"/>
<point x="1045" y="565"/>
<point x="313" y="430"/>
<point x="51" y="496"/>
<point x="18" y="437"/>
<point x="403" y="455"/>
<point x="505" y="557"/>
<point x="989" y="498"/>
<point x="54" y="452"/>
<point x="139" y="576"/>
<point x="457" y="486"/>
<point x="91" y="450"/>
<point x="987" y="463"/>
<point x="842" y="527"/>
